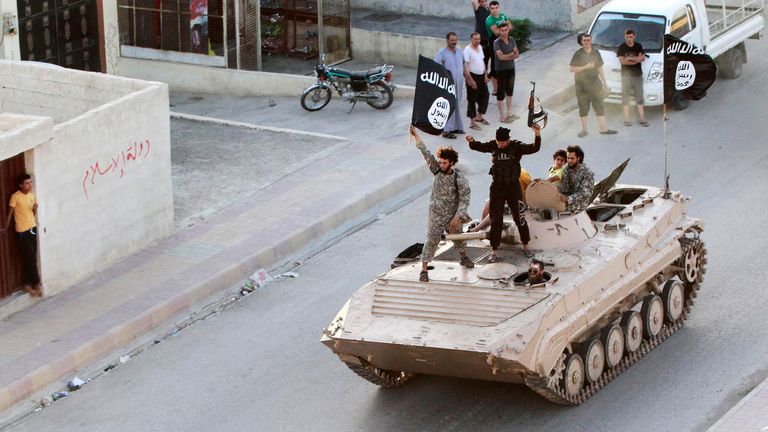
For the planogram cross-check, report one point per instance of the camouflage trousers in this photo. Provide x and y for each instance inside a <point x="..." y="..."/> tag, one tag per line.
<point x="434" y="232"/>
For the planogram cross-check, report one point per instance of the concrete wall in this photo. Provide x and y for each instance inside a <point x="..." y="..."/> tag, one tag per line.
<point x="19" y="133"/>
<point x="9" y="50"/>
<point x="104" y="181"/>
<point x="48" y="90"/>
<point x="393" y="48"/>
<point x="111" y="36"/>
<point x="183" y="77"/>
<point x="550" y="14"/>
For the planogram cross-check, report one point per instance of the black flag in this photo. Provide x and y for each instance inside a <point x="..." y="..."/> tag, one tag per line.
<point x="435" y="97"/>
<point x="687" y="69"/>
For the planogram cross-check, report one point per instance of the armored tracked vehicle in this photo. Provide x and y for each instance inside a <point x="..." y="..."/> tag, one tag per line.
<point x="620" y="278"/>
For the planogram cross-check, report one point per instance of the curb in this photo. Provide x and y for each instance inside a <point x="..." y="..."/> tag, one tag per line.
<point x="763" y="387"/>
<point x="123" y="334"/>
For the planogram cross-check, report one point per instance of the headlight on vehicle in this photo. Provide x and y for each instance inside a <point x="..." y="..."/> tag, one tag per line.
<point x="656" y="74"/>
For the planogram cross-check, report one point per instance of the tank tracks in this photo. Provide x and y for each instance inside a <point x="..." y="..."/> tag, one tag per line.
<point x="380" y="377"/>
<point x="550" y="386"/>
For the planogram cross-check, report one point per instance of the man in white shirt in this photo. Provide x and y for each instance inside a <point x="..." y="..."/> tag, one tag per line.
<point x="476" y="77"/>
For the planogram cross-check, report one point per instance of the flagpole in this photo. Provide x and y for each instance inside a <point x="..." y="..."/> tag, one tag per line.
<point x="666" y="172"/>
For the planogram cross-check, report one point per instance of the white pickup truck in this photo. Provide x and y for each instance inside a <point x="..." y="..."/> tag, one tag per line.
<point x="718" y="26"/>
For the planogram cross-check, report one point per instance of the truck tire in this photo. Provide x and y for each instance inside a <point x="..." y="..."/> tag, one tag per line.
<point x="731" y="62"/>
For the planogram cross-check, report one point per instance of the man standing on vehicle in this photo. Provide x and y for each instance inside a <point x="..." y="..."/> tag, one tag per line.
<point x="578" y="182"/>
<point x="452" y="59"/>
<point x="477" y="82"/>
<point x="505" y="51"/>
<point x="448" y="204"/>
<point x="631" y="57"/>
<point x="492" y="23"/>
<point x="505" y="187"/>
<point x="587" y="67"/>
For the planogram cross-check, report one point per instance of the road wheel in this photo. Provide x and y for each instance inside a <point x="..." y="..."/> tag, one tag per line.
<point x="315" y="97"/>
<point x="653" y="315"/>
<point x="613" y="341"/>
<point x="573" y="375"/>
<point x="692" y="261"/>
<point x="731" y="63"/>
<point x="594" y="357"/>
<point x="383" y="95"/>
<point x="673" y="298"/>
<point x="632" y="326"/>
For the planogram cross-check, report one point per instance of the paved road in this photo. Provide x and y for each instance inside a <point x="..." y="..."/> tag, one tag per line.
<point x="259" y="365"/>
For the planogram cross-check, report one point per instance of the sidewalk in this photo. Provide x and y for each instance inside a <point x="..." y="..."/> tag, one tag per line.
<point x="749" y="415"/>
<point x="61" y="334"/>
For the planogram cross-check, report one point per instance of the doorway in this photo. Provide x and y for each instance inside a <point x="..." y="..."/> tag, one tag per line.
<point x="10" y="267"/>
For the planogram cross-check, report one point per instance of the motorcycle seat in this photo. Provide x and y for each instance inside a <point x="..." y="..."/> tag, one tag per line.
<point x="358" y="75"/>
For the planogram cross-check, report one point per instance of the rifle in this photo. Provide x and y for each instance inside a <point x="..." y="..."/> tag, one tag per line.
<point x="536" y="117"/>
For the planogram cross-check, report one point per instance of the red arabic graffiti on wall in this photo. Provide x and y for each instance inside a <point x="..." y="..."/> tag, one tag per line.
<point x="136" y="152"/>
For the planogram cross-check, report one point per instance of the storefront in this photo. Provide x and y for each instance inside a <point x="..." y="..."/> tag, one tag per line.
<point x="264" y="35"/>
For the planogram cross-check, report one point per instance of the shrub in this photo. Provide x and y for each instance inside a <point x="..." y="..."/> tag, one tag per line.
<point x="521" y="33"/>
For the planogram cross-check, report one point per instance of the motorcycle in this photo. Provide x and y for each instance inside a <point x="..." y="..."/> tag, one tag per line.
<point x="374" y="86"/>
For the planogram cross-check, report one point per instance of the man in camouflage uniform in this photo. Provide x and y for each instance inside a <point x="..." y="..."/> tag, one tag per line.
<point x="578" y="181"/>
<point x="447" y="205"/>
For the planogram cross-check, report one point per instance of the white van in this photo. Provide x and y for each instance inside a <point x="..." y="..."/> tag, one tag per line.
<point x="720" y="27"/>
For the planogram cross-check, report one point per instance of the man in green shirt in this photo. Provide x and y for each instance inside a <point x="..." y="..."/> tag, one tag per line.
<point x="492" y="26"/>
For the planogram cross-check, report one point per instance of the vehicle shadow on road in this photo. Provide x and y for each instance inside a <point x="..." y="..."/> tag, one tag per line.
<point x="440" y="403"/>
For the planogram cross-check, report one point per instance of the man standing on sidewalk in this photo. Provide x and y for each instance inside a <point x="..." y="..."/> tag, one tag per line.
<point x="23" y="210"/>
<point x="477" y="82"/>
<point x="493" y="30"/>
<point x="448" y="204"/>
<point x="631" y="57"/>
<point x="481" y="14"/>
<point x="587" y="68"/>
<point x="506" y="52"/>
<point x="452" y="59"/>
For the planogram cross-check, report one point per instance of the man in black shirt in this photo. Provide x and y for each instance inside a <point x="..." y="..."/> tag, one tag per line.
<point x="481" y="13"/>
<point x="505" y="186"/>
<point x="631" y="57"/>
<point x="587" y="67"/>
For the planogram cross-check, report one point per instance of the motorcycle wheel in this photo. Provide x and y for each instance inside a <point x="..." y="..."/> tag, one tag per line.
<point x="315" y="97"/>
<point x="386" y="98"/>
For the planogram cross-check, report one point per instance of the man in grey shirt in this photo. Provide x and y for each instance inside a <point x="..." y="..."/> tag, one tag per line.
<point x="505" y="52"/>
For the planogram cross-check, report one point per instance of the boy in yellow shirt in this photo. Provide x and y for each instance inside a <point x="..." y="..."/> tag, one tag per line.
<point x="23" y="206"/>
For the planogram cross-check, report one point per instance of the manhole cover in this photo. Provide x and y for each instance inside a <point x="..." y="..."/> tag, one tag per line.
<point x="383" y="17"/>
<point x="497" y="271"/>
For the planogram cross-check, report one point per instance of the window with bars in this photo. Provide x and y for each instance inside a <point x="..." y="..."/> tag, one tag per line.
<point x="187" y="26"/>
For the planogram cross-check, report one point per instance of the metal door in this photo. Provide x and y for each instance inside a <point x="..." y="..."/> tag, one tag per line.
<point x="334" y="29"/>
<point x="62" y="32"/>
<point x="10" y="267"/>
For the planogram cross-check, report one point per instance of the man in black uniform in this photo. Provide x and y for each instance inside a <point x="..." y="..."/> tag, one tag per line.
<point x="505" y="186"/>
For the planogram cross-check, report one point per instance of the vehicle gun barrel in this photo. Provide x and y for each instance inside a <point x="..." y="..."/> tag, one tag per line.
<point x="480" y="235"/>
